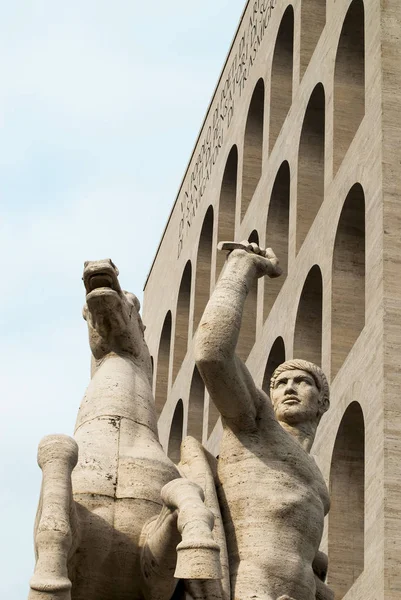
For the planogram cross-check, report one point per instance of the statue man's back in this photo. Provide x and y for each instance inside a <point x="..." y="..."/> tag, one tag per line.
<point x="272" y="494"/>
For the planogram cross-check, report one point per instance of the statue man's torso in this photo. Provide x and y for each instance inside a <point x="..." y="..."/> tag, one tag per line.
<point x="273" y="499"/>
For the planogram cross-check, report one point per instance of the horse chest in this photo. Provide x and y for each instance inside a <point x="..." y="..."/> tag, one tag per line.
<point x="119" y="452"/>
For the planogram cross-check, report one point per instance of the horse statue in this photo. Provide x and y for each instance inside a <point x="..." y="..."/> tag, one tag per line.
<point x="116" y="520"/>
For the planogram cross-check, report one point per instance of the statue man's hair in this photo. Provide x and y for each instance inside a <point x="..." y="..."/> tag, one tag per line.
<point x="316" y="372"/>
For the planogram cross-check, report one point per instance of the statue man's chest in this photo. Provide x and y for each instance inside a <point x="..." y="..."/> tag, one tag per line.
<point x="269" y="473"/>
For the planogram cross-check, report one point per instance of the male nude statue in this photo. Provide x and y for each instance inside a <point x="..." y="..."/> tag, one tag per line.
<point x="272" y="495"/>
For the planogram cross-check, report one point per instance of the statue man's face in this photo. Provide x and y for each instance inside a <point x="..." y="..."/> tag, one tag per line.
<point x="295" y="397"/>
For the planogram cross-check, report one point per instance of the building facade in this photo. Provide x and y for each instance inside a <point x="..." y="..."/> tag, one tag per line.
<point x="300" y="150"/>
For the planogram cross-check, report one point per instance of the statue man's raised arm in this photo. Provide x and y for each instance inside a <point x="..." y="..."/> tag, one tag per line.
<point x="227" y="379"/>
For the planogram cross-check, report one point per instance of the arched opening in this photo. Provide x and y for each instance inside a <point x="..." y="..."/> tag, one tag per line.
<point x="349" y="81"/>
<point x="228" y="194"/>
<point x="247" y="334"/>
<point x="276" y="358"/>
<point x="347" y="511"/>
<point x="253" y="146"/>
<point x="281" y="75"/>
<point x="277" y="233"/>
<point x="308" y="325"/>
<point x="163" y="365"/>
<point x="348" y="278"/>
<point x="313" y="20"/>
<point x="182" y="319"/>
<point x="203" y="267"/>
<point x="175" y="439"/>
<point x="196" y="406"/>
<point x="213" y="417"/>
<point x="311" y="164"/>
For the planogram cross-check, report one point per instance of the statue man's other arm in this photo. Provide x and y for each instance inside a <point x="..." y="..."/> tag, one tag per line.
<point x="227" y="379"/>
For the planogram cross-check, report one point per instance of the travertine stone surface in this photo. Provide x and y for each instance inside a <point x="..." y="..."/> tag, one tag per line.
<point x="111" y="528"/>
<point x="328" y="141"/>
<point x="272" y="495"/>
<point x="200" y="466"/>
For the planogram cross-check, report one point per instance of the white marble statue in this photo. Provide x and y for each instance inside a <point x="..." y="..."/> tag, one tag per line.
<point x="272" y="496"/>
<point x="115" y="519"/>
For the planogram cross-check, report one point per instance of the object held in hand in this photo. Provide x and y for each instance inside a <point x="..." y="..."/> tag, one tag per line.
<point x="274" y="271"/>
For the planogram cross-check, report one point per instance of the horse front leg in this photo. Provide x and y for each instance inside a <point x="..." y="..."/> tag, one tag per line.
<point x="198" y="555"/>
<point x="179" y="544"/>
<point x="56" y="526"/>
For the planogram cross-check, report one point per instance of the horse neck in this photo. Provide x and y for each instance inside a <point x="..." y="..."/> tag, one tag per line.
<point x="119" y="388"/>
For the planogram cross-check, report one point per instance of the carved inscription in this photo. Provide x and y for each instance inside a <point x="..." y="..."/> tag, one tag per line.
<point x="222" y="112"/>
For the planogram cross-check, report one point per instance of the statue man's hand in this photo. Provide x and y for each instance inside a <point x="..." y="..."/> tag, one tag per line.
<point x="264" y="260"/>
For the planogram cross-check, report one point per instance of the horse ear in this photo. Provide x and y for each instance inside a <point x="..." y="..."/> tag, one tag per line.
<point x="141" y="325"/>
<point x="137" y="304"/>
<point x="114" y="267"/>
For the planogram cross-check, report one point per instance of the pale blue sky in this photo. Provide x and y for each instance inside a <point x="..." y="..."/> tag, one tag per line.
<point x="100" y="105"/>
